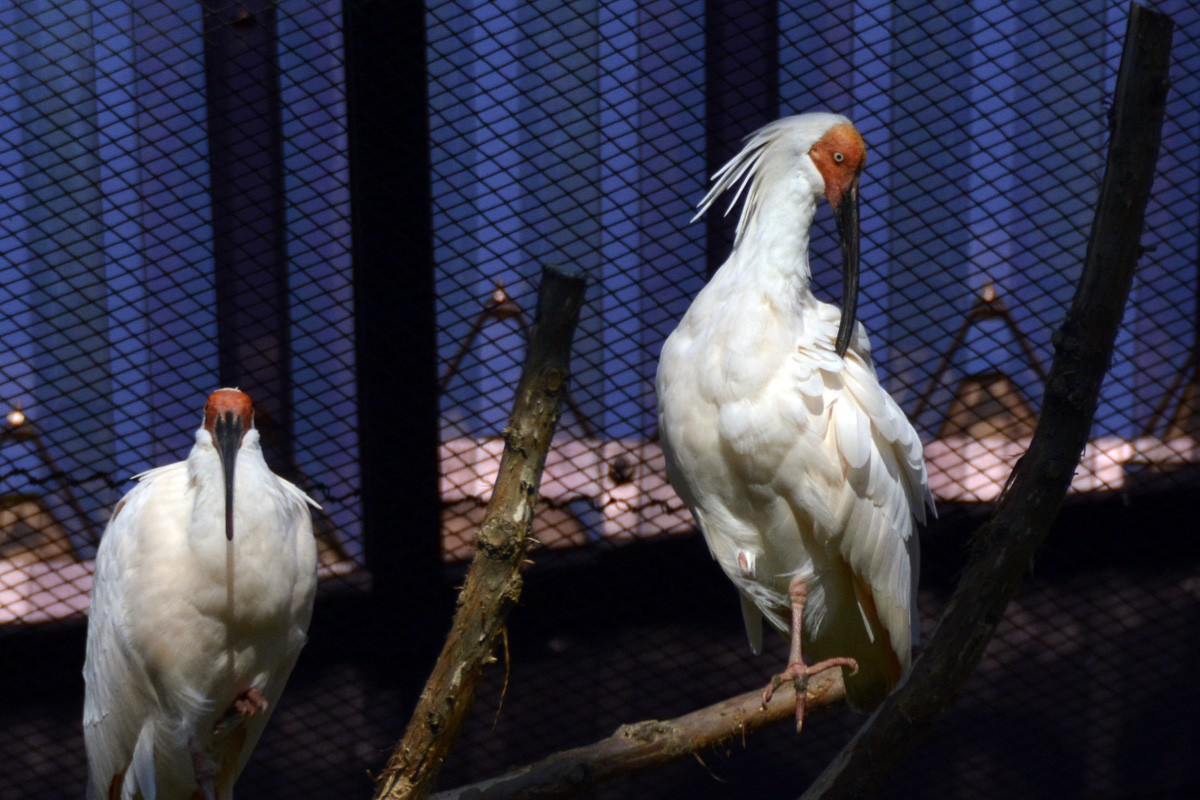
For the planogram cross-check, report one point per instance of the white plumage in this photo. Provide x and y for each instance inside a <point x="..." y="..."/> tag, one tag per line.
<point x="199" y="610"/>
<point x="794" y="460"/>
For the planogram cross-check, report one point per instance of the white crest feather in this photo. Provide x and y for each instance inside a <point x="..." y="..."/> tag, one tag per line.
<point x="748" y="167"/>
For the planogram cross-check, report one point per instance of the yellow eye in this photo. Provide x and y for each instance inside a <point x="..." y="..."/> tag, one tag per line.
<point x="838" y="157"/>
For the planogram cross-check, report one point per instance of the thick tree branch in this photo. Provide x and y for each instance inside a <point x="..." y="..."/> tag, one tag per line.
<point x="1004" y="547"/>
<point x="494" y="580"/>
<point x="646" y="745"/>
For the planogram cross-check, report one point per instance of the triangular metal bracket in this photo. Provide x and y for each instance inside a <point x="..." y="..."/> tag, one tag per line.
<point x="988" y="305"/>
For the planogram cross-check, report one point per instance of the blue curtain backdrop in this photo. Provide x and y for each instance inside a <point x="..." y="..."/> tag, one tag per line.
<point x="566" y="134"/>
<point x="577" y="135"/>
<point x="107" y="298"/>
<point x="569" y="133"/>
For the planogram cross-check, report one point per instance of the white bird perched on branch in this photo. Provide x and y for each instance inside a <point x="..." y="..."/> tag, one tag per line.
<point x="801" y="471"/>
<point x="199" y="609"/>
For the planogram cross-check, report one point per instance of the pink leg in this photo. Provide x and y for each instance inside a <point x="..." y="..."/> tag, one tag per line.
<point x="204" y="768"/>
<point x="797" y="672"/>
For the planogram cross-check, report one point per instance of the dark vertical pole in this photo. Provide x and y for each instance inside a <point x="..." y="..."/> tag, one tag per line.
<point x="742" y="88"/>
<point x="391" y="215"/>
<point x="245" y="145"/>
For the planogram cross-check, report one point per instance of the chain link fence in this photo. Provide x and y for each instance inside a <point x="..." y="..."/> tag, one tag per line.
<point x="176" y="192"/>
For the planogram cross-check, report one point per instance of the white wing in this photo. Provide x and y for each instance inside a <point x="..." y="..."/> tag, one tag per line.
<point x="878" y="492"/>
<point x="119" y="697"/>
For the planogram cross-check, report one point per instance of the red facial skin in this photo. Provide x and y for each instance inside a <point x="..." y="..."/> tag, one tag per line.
<point x="224" y="400"/>
<point x="840" y="156"/>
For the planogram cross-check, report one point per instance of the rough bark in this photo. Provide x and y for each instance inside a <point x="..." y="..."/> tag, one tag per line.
<point x="1004" y="546"/>
<point x="643" y="746"/>
<point x="494" y="581"/>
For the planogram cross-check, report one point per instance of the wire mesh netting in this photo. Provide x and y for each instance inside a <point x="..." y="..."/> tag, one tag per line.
<point x="175" y="194"/>
<point x="174" y="218"/>
<point x="554" y="132"/>
<point x="124" y="281"/>
<point x="578" y="136"/>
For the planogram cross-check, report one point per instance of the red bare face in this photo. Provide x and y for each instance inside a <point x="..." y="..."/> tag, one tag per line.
<point x="228" y="400"/>
<point x="840" y="156"/>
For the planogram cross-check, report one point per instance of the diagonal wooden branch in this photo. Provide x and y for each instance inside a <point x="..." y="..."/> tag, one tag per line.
<point x="1004" y="547"/>
<point x="494" y="580"/>
<point x="646" y="745"/>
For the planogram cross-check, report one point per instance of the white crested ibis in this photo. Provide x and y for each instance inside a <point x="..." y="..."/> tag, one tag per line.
<point x="203" y="591"/>
<point x="803" y="474"/>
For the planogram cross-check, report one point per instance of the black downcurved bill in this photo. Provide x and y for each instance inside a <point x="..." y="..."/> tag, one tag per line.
<point x="227" y="433"/>
<point x="847" y="225"/>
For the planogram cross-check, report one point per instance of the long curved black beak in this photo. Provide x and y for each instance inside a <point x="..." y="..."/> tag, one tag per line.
<point x="847" y="225"/>
<point x="227" y="434"/>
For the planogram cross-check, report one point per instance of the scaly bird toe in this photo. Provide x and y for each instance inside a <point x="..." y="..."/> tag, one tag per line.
<point x="250" y="702"/>
<point x="799" y="673"/>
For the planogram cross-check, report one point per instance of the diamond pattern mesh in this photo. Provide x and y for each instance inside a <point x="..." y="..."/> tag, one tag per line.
<point x="174" y="217"/>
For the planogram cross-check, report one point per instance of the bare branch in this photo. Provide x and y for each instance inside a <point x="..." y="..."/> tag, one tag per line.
<point x="646" y="745"/>
<point x="1004" y="547"/>
<point x="494" y="581"/>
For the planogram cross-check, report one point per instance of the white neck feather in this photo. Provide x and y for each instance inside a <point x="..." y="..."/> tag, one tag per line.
<point x="770" y="256"/>
<point x="782" y="186"/>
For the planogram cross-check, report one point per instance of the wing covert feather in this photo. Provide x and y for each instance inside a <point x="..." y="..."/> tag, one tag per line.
<point x="885" y="487"/>
<point x="117" y="699"/>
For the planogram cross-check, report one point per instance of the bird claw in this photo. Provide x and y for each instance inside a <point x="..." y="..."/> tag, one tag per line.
<point x="250" y="702"/>
<point x="799" y="673"/>
<point x="769" y="692"/>
<point x="796" y="673"/>
<point x="246" y="704"/>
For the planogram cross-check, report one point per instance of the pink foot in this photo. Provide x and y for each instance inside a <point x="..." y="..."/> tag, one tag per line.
<point x="250" y="702"/>
<point x="799" y="673"/>
<point x="246" y="704"/>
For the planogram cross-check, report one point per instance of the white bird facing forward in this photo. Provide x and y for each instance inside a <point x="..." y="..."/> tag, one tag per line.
<point x="803" y="474"/>
<point x="199" y="610"/>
